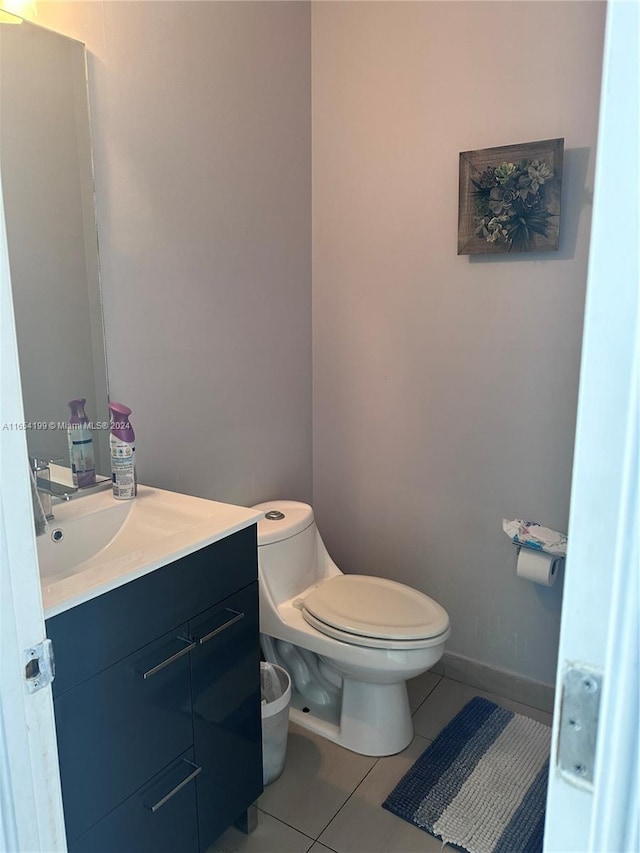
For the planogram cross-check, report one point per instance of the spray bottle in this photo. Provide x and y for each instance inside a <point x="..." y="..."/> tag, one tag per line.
<point x="123" y="453"/>
<point x="81" y="457"/>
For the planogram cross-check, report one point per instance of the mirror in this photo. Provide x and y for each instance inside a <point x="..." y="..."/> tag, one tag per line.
<point x="47" y="188"/>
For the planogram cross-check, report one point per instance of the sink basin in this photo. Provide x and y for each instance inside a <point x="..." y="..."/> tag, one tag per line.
<point x="70" y="542"/>
<point x="96" y="543"/>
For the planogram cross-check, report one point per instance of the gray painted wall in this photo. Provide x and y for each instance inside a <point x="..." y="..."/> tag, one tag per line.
<point x="201" y="121"/>
<point x="445" y="387"/>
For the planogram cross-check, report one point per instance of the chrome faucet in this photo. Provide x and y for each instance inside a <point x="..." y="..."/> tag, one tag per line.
<point x="42" y="475"/>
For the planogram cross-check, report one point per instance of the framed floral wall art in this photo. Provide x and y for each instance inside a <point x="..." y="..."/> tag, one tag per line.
<point x="510" y="198"/>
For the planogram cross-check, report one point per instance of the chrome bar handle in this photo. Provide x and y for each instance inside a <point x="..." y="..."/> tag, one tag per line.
<point x="236" y="618"/>
<point x="196" y="771"/>
<point x="191" y="645"/>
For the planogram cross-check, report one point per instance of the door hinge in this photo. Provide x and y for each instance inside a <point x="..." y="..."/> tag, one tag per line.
<point x="39" y="666"/>
<point x="579" y="715"/>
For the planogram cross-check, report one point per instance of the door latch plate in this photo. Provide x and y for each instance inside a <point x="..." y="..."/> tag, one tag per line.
<point x="580" y="711"/>
<point x="39" y="666"/>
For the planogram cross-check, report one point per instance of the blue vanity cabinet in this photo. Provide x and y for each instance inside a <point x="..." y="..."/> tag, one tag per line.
<point x="157" y="705"/>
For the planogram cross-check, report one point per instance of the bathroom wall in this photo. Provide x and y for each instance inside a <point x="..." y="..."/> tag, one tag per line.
<point x="201" y="121"/>
<point x="445" y="387"/>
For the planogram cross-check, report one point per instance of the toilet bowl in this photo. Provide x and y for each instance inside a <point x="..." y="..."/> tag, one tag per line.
<point x="349" y="642"/>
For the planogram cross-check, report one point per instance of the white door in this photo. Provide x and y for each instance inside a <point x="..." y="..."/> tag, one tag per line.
<point x="31" y="816"/>
<point x="600" y="611"/>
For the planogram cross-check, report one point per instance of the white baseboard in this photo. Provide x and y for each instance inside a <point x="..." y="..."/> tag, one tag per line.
<point x="500" y="681"/>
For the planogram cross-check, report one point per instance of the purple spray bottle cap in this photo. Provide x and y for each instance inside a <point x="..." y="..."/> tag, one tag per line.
<point x="120" y="426"/>
<point x="77" y="410"/>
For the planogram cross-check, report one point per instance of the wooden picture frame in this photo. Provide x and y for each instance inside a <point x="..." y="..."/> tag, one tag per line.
<point x="509" y="198"/>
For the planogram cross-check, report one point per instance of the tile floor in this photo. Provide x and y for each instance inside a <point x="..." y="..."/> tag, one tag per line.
<point x="329" y="799"/>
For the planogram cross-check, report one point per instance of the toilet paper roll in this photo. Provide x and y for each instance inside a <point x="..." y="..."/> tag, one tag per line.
<point x="538" y="566"/>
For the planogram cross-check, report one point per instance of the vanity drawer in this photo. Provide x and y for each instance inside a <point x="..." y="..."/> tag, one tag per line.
<point x="159" y="818"/>
<point x="92" y="636"/>
<point x="119" y="728"/>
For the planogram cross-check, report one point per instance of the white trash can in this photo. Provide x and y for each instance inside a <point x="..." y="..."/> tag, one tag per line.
<point x="275" y="695"/>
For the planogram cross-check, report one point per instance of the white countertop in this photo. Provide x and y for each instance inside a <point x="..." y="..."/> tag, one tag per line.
<point x="107" y="543"/>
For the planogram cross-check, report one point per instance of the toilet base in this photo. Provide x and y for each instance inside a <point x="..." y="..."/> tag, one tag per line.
<point x="375" y="719"/>
<point x="361" y="705"/>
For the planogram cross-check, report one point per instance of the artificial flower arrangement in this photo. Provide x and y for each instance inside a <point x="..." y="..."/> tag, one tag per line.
<point x="510" y="203"/>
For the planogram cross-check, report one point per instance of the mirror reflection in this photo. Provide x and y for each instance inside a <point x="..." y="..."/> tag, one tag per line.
<point x="47" y="188"/>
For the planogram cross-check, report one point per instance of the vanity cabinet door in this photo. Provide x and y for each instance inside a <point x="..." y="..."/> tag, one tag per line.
<point x="121" y="727"/>
<point x="159" y="818"/>
<point x="226" y="711"/>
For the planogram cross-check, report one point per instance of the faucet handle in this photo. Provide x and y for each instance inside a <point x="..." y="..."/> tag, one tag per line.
<point x="38" y="465"/>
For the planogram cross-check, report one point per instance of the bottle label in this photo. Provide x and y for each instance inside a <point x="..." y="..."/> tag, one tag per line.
<point x="81" y="457"/>
<point x="123" y="469"/>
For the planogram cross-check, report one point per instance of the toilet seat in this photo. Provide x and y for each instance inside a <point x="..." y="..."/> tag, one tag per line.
<point x="375" y="612"/>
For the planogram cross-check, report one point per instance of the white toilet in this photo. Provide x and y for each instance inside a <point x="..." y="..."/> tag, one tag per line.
<point x="349" y="642"/>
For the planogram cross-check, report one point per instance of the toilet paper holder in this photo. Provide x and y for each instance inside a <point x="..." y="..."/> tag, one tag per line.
<point x="537" y="566"/>
<point x="540" y="551"/>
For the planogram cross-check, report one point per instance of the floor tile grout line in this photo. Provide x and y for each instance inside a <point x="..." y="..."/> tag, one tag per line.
<point x="334" y="816"/>
<point x="313" y="844"/>
<point x="371" y="769"/>
<point x="413" y="713"/>
<point x="341" y="807"/>
<point x="295" y="828"/>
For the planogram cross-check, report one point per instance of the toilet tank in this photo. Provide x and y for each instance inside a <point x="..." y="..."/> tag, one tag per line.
<point x="288" y="549"/>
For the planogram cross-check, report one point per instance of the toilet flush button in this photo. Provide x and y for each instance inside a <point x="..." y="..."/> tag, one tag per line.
<point x="274" y="515"/>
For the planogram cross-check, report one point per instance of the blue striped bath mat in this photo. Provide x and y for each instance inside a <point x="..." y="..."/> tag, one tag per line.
<point x="482" y="783"/>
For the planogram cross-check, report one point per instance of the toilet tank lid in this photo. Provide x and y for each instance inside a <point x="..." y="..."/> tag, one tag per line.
<point x="296" y="517"/>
